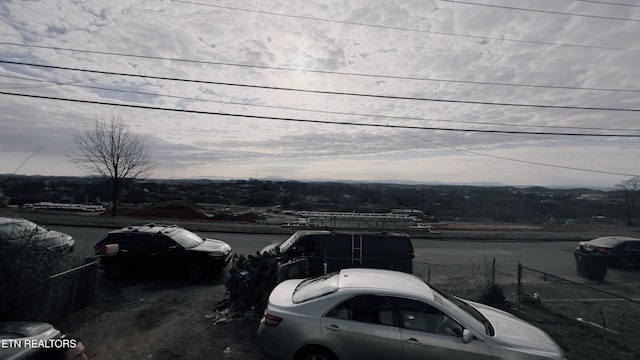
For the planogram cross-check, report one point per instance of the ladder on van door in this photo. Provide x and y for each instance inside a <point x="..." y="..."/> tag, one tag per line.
<point x="356" y="249"/>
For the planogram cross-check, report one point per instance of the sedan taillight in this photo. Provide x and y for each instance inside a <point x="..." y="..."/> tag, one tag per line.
<point x="271" y="320"/>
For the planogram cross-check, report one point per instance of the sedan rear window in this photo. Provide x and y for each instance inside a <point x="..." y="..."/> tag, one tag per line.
<point x="315" y="287"/>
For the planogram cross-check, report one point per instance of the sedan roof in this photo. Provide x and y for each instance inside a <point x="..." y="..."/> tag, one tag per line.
<point x="387" y="281"/>
<point x="611" y="241"/>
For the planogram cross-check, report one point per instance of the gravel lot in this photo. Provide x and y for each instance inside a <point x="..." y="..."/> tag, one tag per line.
<point x="147" y="318"/>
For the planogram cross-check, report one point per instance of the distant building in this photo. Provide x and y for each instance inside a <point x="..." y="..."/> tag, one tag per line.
<point x="353" y="220"/>
<point x="593" y="197"/>
<point x="409" y="212"/>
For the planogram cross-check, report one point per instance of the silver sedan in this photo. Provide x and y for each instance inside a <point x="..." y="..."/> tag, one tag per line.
<point x="383" y="314"/>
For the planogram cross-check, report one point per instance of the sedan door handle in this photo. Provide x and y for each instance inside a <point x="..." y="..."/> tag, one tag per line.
<point x="412" y="341"/>
<point x="333" y="327"/>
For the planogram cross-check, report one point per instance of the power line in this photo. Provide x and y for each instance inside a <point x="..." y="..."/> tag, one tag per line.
<point x="320" y="121"/>
<point x="607" y="3"/>
<point x="52" y="83"/>
<point x="524" y="161"/>
<point x="541" y="11"/>
<point x="27" y="159"/>
<point x="324" y="92"/>
<point x="325" y="72"/>
<point x="327" y="111"/>
<point x="406" y="29"/>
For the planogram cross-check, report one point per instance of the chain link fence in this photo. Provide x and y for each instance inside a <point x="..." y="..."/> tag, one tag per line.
<point x="616" y="318"/>
<point x="612" y="317"/>
<point x="70" y="290"/>
<point x="470" y="280"/>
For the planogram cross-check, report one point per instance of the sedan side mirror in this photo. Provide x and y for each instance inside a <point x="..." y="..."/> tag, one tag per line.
<point x="467" y="336"/>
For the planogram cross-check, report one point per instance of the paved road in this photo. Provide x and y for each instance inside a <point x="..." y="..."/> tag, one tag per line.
<point x="443" y="262"/>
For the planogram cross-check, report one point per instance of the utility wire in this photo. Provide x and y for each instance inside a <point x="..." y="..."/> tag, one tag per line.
<point x="325" y="111"/>
<point x="607" y="3"/>
<point x="540" y="11"/>
<point x="51" y="83"/>
<point x="319" y="121"/>
<point x="324" y="72"/>
<point x="388" y="97"/>
<point x="405" y="29"/>
<point x="523" y="161"/>
<point x="27" y="159"/>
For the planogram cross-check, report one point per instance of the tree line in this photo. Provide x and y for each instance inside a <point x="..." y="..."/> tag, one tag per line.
<point x="119" y="165"/>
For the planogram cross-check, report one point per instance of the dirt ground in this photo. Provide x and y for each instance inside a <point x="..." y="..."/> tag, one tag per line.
<point x="148" y="318"/>
<point x="157" y="319"/>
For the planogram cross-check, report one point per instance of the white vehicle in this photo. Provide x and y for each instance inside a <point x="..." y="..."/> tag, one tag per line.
<point x="20" y="230"/>
<point x="383" y="314"/>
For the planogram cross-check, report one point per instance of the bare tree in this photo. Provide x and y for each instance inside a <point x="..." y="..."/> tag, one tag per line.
<point x="631" y="191"/>
<point x="111" y="151"/>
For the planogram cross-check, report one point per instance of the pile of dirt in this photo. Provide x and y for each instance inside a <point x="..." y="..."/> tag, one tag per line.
<point x="178" y="209"/>
<point x="183" y="210"/>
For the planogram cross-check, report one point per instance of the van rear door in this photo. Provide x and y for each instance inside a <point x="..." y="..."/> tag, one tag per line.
<point x="394" y="252"/>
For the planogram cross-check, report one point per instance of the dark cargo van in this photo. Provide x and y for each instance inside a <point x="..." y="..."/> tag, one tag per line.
<point x="327" y="251"/>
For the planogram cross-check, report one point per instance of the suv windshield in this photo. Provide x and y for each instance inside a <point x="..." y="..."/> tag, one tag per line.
<point x="287" y="243"/>
<point x="186" y="238"/>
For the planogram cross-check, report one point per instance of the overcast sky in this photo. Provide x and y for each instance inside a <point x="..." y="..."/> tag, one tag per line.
<point x="477" y="91"/>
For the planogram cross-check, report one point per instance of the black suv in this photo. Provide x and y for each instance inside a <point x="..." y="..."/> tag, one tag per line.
<point x="161" y="247"/>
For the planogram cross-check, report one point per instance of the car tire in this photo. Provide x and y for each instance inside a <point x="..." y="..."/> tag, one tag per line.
<point x="115" y="271"/>
<point x="316" y="353"/>
<point x="628" y="263"/>
<point x="196" y="272"/>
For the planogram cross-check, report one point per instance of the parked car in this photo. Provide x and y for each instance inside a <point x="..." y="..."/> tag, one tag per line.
<point x="27" y="232"/>
<point x="161" y="247"/>
<point x="619" y="250"/>
<point x="384" y="314"/>
<point x="328" y="251"/>
<point x="26" y="340"/>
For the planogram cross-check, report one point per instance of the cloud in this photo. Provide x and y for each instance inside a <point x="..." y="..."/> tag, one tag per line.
<point x="427" y="50"/>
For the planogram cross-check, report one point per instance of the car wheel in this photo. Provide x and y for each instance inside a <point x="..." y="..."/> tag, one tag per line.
<point x="316" y="353"/>
<point x="115" y="271"/>
<point x="196" y="272"/>
<point x="628" y="263"/>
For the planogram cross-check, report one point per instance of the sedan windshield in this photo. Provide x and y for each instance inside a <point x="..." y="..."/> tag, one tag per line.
<point x="186" y="239"/>
<point x="463" y="311"/>
<point x="21" y="230"/>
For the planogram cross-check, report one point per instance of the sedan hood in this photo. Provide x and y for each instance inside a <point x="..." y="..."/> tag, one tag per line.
<point x="213" y="246"/>
<point x="22" y="331"/>
<point x="515" y="333"/>
<point x="54" y="239"/>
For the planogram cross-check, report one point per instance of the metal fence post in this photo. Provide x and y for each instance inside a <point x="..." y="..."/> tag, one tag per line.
<point x="46" y="309"/>
<point x="519" y="290"/>
<point x="75" y="290"/>
<point x="493" y="272"/>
